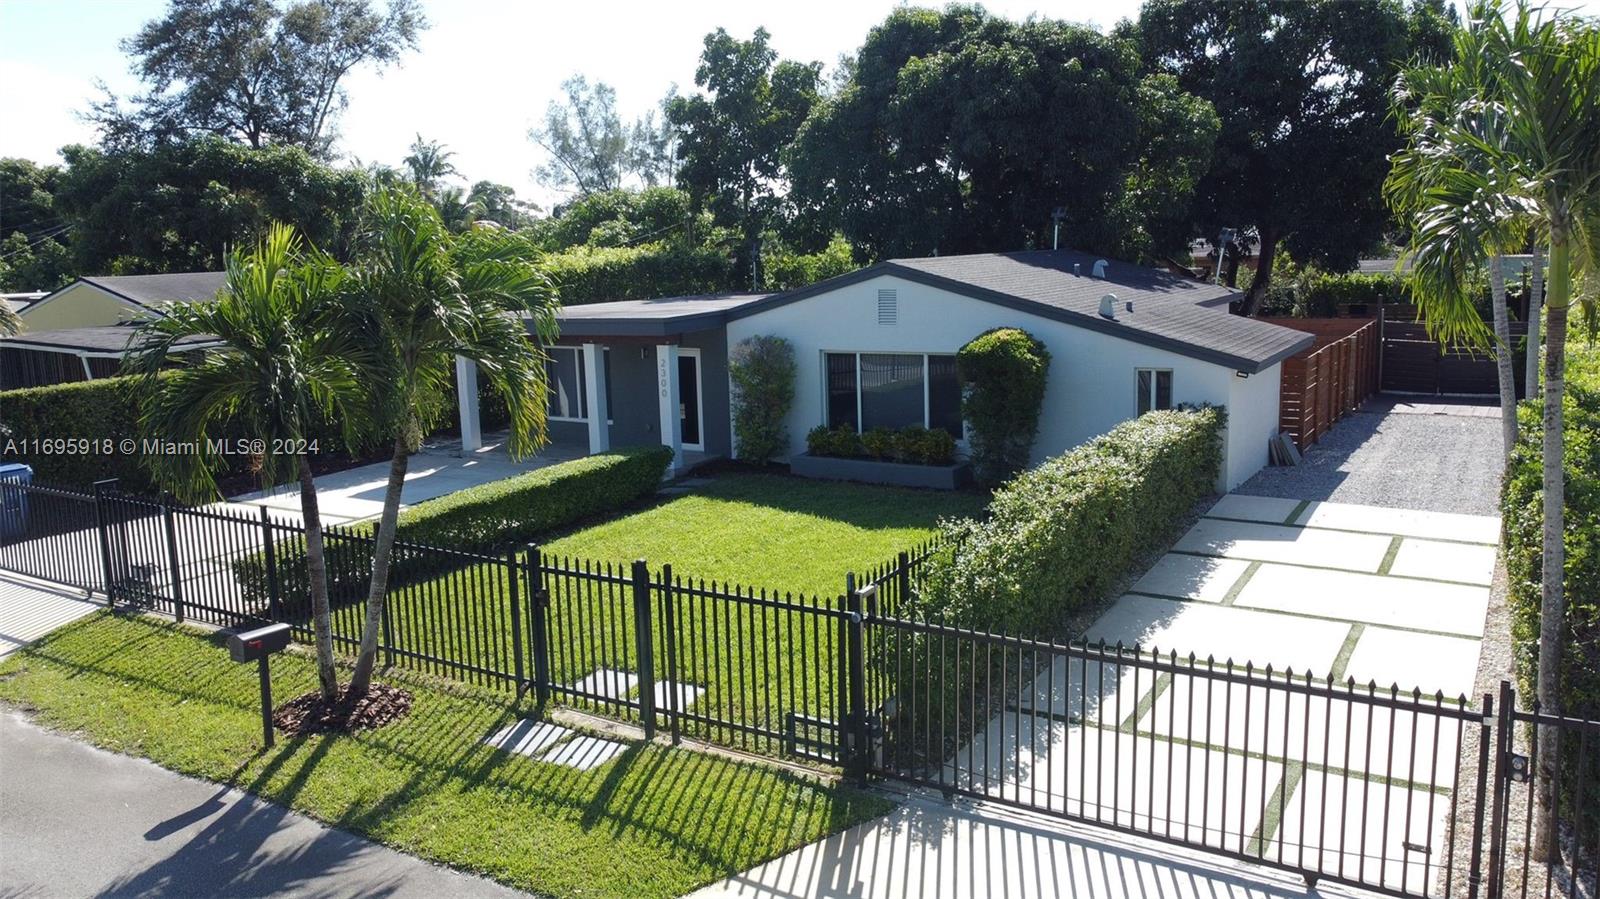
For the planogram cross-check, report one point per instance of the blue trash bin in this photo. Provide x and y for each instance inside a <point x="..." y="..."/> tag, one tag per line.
<point x="14" y="501"/>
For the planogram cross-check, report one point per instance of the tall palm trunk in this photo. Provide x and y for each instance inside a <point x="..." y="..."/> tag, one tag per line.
<point x="382" y="552"/>
<point x="1552" y="604"/>
<point x="317" y="571"/>
<point x="1535" y="318"/>
<point x="1502" y="354"/>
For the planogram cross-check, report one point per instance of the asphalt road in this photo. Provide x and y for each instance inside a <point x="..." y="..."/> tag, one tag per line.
<point x="79" y="821"/>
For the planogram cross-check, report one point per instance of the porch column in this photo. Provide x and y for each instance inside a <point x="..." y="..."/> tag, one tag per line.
<point x="594" y="366"/>
<point x="671" y="415"/>
<point x="467" y="400"/>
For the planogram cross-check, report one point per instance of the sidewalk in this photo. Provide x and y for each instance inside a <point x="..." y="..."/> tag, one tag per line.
<point x="79" y="821"/>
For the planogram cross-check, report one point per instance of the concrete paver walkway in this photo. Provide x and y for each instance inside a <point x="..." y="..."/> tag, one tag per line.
<point x="78" y="821"/>
<point x="30" y="609"/>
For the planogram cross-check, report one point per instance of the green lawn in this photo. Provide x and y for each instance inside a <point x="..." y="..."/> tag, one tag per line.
<point x="772" y="531"/>
<point x="655" y="822"/>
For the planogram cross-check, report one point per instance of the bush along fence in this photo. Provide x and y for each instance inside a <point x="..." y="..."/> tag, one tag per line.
<point x="1393" y="791"/>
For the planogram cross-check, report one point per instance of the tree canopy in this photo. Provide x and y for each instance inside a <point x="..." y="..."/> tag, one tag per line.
<point x="258" y="72"/>
<point x="1302" y="91"/>
<point x="958" y="131"/>
<point x="590" y="150"/>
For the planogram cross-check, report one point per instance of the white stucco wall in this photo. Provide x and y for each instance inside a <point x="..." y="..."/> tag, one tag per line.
<point x="1252" y="421"/>
<point x="1091" y="385"/>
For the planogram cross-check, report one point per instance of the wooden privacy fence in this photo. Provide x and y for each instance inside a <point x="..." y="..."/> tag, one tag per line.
<point x="1329" y="381"/>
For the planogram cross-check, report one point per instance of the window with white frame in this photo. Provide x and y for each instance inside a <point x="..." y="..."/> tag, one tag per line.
<point x="1155" y="389"/>
<point x="568" y="381"/>
<point x="893" y="390"/>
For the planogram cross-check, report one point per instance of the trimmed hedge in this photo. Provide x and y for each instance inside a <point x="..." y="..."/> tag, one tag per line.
<point x="1522" y="518"/>
<point x="487" y="519"/>
<point x="1522" y="523"/>
<point x="93" y="410"/>
<point x="1003" y="379"/>
<point x="915" y="444"/>
<point x="1061" y="534"/>
<point x="601" y="274"/>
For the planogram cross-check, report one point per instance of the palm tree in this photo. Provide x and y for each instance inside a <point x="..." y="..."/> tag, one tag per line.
<point x="429" y="162"/>
<point x="432" y="296"/>
<point x="288" y="359"/>
<point x="1544" y="91"/>
<point x="1446" y="181"/>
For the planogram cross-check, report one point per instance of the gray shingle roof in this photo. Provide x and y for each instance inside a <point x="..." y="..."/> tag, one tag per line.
<point x="1169" y="311"/>
<point x="93" y="339"/>
<point x="153" y="290"/>
<point x="652" y="318"/>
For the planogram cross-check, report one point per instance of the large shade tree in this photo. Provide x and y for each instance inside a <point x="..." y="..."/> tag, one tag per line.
<point x="288" y="359"/>
<point x="1302" y="89"/>
<point x="430" y="296"/>
<point x="731" y="137"/>
<point x="258" y="72"/>
<point x="957" y="131"/>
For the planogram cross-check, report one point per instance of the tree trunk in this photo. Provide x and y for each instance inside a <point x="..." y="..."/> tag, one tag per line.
<point x="382" y="552"/>
<point x="1265" y="258"/>
<point x="1502" y="354"/>
<point x="317" y="574"/>
<point x="1552" y="605"/>
<point x="1535" y="317"/>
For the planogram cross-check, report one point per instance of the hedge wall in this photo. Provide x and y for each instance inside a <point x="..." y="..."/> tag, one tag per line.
<point x="487" y="519"/>
<point x="600" y="274"/>
<point x="1522" y="519"/>
<point x="1522" y="523"/>
<point x="95" y="410"/>
<point x="1061" y="534"/>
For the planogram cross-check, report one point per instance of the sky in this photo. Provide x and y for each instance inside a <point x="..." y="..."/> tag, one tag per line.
<point x="483" y="73"/>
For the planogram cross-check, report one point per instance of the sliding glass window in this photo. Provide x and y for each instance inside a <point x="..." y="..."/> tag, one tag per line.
<point x="893" y="390"/>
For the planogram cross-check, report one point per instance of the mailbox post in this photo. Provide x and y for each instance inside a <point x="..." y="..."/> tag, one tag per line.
<point x="258" y="646"/>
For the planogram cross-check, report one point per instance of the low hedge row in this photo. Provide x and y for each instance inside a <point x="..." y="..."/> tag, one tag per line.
<point x="915" y="445"/>
<point x="487" y="519"/>
<point x="1061" y="534"/>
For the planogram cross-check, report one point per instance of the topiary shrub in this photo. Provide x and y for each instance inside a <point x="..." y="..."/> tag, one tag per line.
<point x="1003" y="376"/>
<point x="762" y="371"/>
<point x="879" y="443"/>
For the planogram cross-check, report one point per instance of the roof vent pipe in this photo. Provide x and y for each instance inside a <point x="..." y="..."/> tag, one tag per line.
<point x="1108" y="306"/>
<point x="1077" y="270"/>
<point x="1099" y="268"/>
<point x="1129" y="305"/>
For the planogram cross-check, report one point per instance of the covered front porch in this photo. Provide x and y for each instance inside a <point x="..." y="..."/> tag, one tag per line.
<point x="630" y="373"/>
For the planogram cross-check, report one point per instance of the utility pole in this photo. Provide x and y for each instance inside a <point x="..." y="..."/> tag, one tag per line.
<point x="1223" y="239"/>
<point x="1056" y="215"/>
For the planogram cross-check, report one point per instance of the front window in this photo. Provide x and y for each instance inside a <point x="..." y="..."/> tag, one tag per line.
<point x="893" y="390"/>
<point x="568" y="381"/>
<point x="1155" y="389"/>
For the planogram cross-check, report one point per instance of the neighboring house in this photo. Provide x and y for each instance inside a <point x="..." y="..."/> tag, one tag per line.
<point x="21" y="301"/>
<point x="81" y="331"/>
<point x="877" y="348"/>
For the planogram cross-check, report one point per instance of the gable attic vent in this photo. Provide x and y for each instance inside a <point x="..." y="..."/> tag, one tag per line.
<point x="888" y="307"/>
<point x="1099" y="268"/>
<point x="1108" y="305"/>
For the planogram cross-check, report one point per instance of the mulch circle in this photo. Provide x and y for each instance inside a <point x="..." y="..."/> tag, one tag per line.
<point x="308" y="714"/>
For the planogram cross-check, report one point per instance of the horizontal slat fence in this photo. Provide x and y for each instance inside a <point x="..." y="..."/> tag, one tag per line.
<point x="1322" y="385"/>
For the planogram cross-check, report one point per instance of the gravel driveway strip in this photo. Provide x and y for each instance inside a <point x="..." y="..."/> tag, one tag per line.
<point x="1401" y="453"/>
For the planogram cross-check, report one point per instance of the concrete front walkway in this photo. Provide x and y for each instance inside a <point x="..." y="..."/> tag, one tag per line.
<point x="356" y="494"/>
<point x="30" y="609"/>
<point x="78" y="821"/>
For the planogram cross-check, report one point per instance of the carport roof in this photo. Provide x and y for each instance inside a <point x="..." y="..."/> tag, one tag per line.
<point x="663" y="317"/>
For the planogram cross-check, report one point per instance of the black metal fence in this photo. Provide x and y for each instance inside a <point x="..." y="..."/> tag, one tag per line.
<point x="1400" y="793"/>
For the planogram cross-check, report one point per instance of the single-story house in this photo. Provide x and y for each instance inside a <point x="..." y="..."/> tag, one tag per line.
<point x="81" y="331"/>
<point x="114" y="299"/>
<point x="877" y="348"/>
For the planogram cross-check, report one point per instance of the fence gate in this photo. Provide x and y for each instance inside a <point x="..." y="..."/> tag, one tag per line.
<point x="1413" y="362"/>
